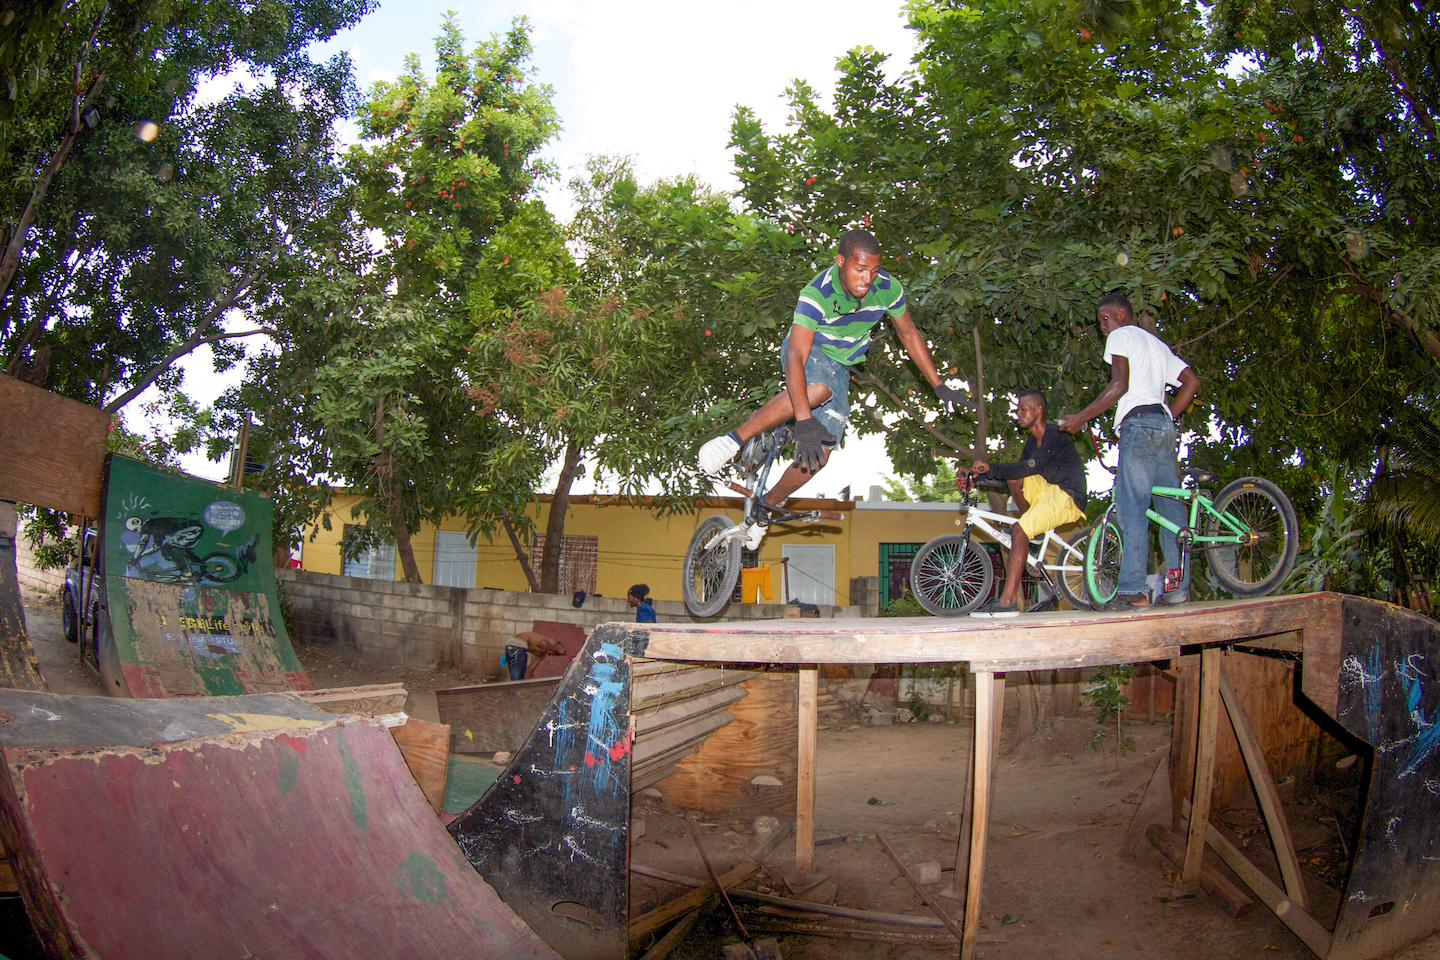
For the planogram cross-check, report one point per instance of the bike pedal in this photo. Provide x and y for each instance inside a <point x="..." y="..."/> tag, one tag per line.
<point x="1173" y="576"/>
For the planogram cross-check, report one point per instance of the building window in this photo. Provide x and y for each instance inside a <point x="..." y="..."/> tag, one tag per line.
<point x="376" y="563"/>
<point x="577" y="562"/>
<point x="895" y="561"/>
<point x="454" y="559"/>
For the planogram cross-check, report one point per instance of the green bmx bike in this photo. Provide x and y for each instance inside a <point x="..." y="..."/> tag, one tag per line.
<point x="1248" y="533"/>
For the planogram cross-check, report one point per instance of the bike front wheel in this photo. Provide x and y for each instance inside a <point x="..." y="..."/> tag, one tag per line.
<point x="1070" y="558"/>
<point x="951" y="575"/>
<point x="1259" y="564"/>
<point x="712" y="565"/>
<point x="1102" y="559"/>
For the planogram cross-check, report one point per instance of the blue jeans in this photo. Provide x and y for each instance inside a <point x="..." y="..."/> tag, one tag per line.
<point x="1147" y="459"/>
<point x="517" y="659"/>
<point x="834" y="413"/>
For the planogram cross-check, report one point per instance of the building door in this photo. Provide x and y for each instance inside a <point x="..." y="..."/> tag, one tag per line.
<point x="812" y="572"/>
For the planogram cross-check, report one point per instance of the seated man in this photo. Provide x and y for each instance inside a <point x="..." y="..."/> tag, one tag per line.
<point x="829" y="335"/>
<point x="1048" y="484"/>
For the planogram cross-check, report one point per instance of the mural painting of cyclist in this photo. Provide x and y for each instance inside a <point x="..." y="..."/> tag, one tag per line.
<point x="1141" y="366"/>
<point x="829" y="334"/>
<point x="1048" y="484"/>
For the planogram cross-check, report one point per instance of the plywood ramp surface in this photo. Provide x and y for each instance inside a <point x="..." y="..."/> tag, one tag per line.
<point x="233" y="826"/>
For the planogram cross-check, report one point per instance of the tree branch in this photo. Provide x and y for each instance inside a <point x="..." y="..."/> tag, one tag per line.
<point x="520" y="556"/>
<point x="190" y="343"/>
<point x="11" y="260"/>
<point x="963" y="453"/>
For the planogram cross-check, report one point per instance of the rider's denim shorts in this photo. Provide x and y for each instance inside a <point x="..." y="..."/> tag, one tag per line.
<point x="834" y="413"/>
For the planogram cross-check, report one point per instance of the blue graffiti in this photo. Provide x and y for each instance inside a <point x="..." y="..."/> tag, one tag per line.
<point x="1427" y="732"/>
<point x="1373" y="682"/>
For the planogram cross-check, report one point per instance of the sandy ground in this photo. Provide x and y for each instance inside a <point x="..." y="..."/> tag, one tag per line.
<point x="1056" y="886"/>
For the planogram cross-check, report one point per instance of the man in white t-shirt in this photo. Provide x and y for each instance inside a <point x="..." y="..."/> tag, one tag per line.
<point x="1141" y="366"/>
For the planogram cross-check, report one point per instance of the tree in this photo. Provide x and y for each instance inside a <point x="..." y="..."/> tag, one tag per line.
<point x="144" y="218"/>
<point x="627" y="366"/>
<point x="1041" y="154"/>
<point x="363" y="384"/>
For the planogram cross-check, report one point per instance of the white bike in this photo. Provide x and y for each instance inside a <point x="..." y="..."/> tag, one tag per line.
<point x="952" y="574"/>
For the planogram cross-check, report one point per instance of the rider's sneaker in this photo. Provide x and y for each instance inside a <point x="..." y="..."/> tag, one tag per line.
<point x="754" y="535"/>
<point x="1173" y="598"/>
<point x="714" y="454"/>
<point x="996" y="609"/>
<point x="1126" y="601"/>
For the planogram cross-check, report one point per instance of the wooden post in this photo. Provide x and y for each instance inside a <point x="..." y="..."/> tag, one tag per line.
<point x="1265" y="791"/>
<point x="986" y="686"/>
<point x="1204" y="763"/>
<point x="805" y="773"/>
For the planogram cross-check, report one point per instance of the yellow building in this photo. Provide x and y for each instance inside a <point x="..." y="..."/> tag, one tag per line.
<point x="612" y="543"/>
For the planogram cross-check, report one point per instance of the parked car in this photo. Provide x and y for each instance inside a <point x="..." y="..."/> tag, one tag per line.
<point x="80" y="569"/>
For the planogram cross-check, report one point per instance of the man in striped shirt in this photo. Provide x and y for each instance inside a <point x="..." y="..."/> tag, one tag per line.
<point x="829" y="335"/>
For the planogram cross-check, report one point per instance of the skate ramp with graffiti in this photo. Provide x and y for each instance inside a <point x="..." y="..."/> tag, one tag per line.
<point x="227" y="827"/>
<point x="191" y="606"/>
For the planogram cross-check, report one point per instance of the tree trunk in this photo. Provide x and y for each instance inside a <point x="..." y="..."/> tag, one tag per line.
<point x="555" y="524"/>
<point x="521" y="556"/>
<point x="390" y="497"/>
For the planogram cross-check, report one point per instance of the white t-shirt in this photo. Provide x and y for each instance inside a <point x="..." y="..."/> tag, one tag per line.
<point x="1152" y="365"/>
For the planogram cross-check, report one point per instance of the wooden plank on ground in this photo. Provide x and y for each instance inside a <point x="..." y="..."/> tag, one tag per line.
<point x="52" y="449"/>
<point x="426" y="749"/>
<point x="370" y="700"/>
<point x="648" y="923"/>
<point x="1212" y="881"/>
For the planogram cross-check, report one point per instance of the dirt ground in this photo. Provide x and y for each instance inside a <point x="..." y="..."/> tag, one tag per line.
<point x="1056" y="885"/>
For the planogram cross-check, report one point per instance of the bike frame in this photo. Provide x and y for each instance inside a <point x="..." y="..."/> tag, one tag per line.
<point x="976" y="516"/>
<point x="756" y="509"/>
<point x="1198" y="501"/>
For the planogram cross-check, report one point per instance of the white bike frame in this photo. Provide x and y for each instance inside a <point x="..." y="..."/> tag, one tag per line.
<point x="977" y="517"/>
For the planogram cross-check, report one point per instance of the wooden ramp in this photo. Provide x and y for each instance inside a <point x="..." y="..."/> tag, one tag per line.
<point x="190" y="606"/>
<point x="225" y="827"/>
<point x="551" y="833"/>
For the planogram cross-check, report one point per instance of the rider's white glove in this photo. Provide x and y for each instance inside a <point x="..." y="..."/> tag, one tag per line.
<point x="714" y="454"/>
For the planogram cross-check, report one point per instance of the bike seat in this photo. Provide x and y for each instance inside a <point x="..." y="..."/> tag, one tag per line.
<point x="1201" y="477"/>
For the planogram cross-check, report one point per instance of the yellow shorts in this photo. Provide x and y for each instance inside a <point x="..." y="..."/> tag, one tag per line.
<point x="1050" y="507"/>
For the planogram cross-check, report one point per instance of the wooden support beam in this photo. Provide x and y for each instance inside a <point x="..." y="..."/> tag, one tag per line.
<point x="1204" y="763"/>
<point x="805" y="774"/>
<point x="1280" y="836"/>
<point x="986" y="687"/>
<point x="1304" y="926"/>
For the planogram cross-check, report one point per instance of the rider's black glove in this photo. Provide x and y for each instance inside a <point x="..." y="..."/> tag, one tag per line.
<point x="950" y="395"/>
<point x="810" y="438"/>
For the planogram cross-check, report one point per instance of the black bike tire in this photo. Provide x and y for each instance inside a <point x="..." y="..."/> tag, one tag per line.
<point x="1102" y="559"/>
<point x="726" y="567"/>
<point x="1078" y="594"/>
<point x="1224" y="559"/>
<point x="937" y="599"/>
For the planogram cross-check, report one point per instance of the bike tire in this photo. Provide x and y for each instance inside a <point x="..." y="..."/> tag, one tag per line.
<point x="711" y="568"/>
<point x="1102" y="559"/>
<point x="218" y="568"/>
<point x="1072" y="582"/>
<point x="946" y="585"/>
<point x="1258" y="568"/>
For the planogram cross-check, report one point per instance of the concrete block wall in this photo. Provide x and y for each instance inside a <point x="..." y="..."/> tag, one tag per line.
<point x="30" y="575"/>
<point x="393" y="623"/>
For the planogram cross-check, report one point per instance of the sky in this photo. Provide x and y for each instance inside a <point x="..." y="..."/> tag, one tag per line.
<point x="656" y="81"/>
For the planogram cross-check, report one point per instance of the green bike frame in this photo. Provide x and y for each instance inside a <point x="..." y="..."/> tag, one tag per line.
<point x="1198" y="501"/>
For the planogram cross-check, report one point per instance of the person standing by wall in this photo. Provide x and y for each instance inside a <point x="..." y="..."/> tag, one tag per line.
<point x="639" y="598"/>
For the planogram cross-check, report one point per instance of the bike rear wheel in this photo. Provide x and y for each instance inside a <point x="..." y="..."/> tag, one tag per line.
<point x="1259" y="566"/>
<point x="1072" y="582"/>
<point x="712" y="565"/>
<point x="1102" y="559"/>
<point x="951" y="575"/>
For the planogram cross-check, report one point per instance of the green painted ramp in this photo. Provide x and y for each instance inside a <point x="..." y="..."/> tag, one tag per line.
<point x="190" y="589"/>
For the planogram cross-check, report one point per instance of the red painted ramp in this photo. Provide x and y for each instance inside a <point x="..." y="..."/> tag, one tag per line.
<point x="233" y="827"/>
